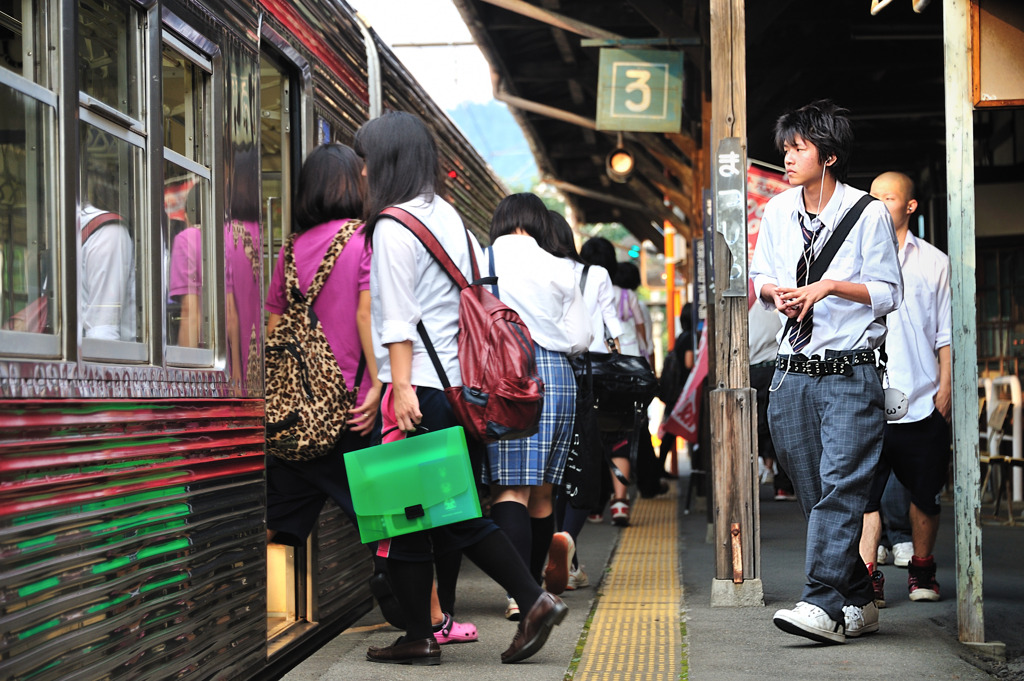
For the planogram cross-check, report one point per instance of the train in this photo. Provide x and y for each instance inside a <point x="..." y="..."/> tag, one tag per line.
<point x="132" y="459"/>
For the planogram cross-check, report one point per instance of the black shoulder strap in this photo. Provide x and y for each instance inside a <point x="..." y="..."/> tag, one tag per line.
<point x="490" y="260"/>
<point x="824" y="258"/>
<point x="583" y="279"/>
<point x="831" y="247"/>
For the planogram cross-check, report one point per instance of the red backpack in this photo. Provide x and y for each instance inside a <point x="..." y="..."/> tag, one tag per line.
<point x="501" y="395"/>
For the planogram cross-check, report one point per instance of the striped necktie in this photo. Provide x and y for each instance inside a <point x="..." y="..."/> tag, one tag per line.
<point x="800" y="334"/>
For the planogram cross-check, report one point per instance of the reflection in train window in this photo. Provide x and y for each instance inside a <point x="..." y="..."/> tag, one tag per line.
<point x="187" y="197"/>
<point x="110" y="54"/>
<point x="113" y="220"/>
<point x="28" y="275"/>
<point x="22" y="33"/>
<point x="276" y="131"/>
<point x="109" y="229"/>
<point x="29" y="284"/>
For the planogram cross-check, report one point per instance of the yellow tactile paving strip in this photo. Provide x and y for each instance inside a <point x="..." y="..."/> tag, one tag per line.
<point x="634" y="634"/>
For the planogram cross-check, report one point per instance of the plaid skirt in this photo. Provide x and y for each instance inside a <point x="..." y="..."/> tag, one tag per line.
<point x="540" y="458"/>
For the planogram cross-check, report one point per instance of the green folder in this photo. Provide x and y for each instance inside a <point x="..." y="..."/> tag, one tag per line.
<point x="412" y="484"/>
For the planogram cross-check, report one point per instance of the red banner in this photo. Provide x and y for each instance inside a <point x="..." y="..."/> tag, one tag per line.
<point x="684" y="420"/>
<point x="761" y="185"/>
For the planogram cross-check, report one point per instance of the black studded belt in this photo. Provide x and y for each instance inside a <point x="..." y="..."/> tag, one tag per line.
<point x="832" y="366"/>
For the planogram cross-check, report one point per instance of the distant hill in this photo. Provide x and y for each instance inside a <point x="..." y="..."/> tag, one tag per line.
<point x="491" y="129"/>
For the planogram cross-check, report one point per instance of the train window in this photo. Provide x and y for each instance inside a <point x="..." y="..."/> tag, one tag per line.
<point x="112" y="199"/>
<point x="113" y="220"/>
<point x="188" y="195"/>
<point x="20" y="50"/>
<point x="109" y="57"/>
<point x="276" y="130"/>
<point x="28" y="273"/>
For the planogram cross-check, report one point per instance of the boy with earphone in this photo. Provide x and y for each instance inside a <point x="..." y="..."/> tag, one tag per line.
<point x="826" y="414"/>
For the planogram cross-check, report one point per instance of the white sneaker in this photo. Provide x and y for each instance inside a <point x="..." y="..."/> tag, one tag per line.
<point x="861" y="619"/>
<point x="512" y="610"/>
<point x="811" y="622"/>
<point x="902" y="553"/>
<point x="882" y="556"/>
<point x="577" y="579"/>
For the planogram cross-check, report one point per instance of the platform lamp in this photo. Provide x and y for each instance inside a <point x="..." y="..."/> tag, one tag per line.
<point x="619" y="163"/>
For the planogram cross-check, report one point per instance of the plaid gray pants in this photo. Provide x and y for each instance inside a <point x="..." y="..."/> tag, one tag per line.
<point x="828" y="436"/>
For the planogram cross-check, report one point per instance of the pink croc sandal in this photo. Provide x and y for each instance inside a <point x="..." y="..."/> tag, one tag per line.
<point x="455" y="632"/>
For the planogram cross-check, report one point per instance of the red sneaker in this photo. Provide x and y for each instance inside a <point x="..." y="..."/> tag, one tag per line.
<point x="620" y="512"/>
<point x="878" y="584"/>
<point x="921" y="579"/>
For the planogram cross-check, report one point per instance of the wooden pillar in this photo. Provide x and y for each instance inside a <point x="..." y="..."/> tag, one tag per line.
<point x="960" y="207"/>
<point x="731" y="400"/>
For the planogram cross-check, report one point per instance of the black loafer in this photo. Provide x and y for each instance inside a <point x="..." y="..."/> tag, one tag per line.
<point x="535" y="627"/>
<point x="422" y="651"/>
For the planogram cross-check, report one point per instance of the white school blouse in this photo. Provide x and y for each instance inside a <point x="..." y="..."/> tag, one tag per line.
<point x="407" y="286"/>
<point x="542" y="289"/>
<point x="597" y="296"/>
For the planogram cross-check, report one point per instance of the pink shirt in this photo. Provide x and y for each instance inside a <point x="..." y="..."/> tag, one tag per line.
<point x="338" y="301"/>
<point x="242" y="274"/>
<point x="187" y="262"/>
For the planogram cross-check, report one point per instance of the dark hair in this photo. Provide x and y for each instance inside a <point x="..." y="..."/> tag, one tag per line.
<point x="826" y="126"/>
<point x="599" y="251"/>
<point x="627" y="275"/>
<point x="686" y="318"/>
<point x="244" y="202"/>
<point x="520" y="210"/>
<point x="401" y="162"/>
<point x="330" y="187"/>
<point x="560" y="242"/>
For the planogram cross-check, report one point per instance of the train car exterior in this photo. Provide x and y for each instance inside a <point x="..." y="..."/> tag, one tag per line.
<point x="147" y="154"/>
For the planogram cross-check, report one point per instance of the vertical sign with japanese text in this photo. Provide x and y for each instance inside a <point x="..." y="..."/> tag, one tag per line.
<point x="731" y="211"/>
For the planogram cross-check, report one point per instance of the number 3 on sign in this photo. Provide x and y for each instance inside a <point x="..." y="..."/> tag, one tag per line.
<point x="638" y="83"/>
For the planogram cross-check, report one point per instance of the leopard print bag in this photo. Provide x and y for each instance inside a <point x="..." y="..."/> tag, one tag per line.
<point x="307" y="398"/>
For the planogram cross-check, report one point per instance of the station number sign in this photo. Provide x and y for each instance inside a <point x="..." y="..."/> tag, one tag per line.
<point x="640" y="90"/>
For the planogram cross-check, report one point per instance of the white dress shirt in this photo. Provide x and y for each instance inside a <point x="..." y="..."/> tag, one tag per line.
<point x="597" y="296"/>
<point x="542" y="289"/>
<point x="407" y="285"/>
<point x="920" y="326"/>
<point x="868" y="256"/>
<point x="108" y="280"/>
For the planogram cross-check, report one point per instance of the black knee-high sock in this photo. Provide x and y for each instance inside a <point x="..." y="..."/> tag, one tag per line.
<point x="540" y="541"/>
<point x="447" y="567"/>
<point x="495" y="555"/>
<point x="513" y="518"/>
<point x="411" y="582"/>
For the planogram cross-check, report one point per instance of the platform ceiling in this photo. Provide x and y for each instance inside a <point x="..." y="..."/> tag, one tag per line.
<point x="887" y="69"/>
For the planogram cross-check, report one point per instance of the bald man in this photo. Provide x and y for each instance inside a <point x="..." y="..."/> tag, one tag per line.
<point x="915" y="448"/>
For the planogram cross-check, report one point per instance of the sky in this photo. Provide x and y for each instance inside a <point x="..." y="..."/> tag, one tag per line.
<point x="451" y="75"/>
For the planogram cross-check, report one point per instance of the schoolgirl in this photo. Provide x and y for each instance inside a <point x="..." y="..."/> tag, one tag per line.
<point x="407" y="287"/>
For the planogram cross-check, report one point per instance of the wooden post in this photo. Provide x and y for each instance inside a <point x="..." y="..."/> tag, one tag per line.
<point x="731" y="400"/>
<point x="960" y="206"/>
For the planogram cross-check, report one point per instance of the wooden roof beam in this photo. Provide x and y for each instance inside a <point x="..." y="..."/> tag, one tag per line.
<point x="554" y="19"/>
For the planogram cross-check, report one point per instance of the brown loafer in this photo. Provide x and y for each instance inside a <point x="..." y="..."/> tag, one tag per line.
<point x="422" y="651"/>
<point x="535" y="627"/>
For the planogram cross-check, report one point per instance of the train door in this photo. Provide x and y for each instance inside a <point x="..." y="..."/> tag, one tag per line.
<point x="288" y="602"/>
